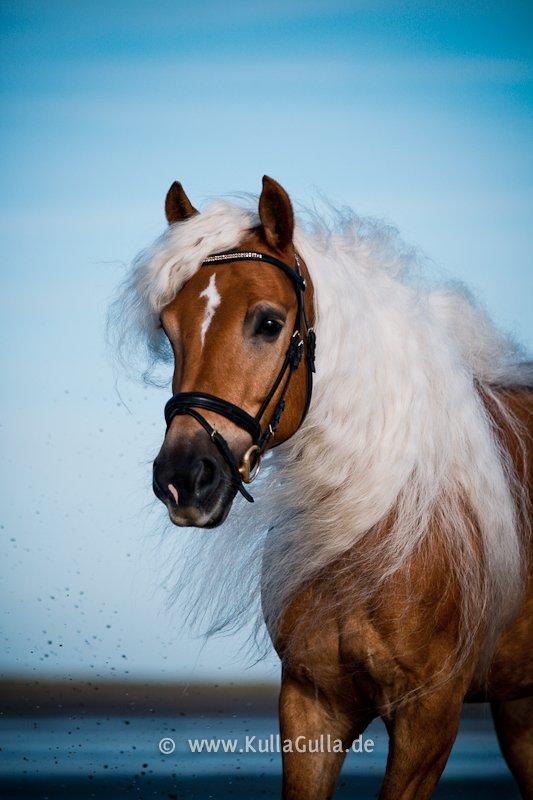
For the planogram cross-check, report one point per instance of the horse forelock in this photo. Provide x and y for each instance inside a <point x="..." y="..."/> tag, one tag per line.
<point x="397" y="427"/>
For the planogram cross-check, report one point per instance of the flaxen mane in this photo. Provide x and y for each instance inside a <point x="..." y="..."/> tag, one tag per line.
<point x="397" y="426"/>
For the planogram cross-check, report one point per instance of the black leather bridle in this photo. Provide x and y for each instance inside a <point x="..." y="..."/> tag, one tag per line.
<point x="302" y="337"/>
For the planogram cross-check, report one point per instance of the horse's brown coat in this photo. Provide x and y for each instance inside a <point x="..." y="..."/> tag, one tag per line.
<point x="367" y="660"/>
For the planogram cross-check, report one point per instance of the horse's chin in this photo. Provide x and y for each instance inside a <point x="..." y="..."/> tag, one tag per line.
<point x="193" y="517"/>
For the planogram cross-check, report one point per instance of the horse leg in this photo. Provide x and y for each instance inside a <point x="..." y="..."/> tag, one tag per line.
<point x="421" y="735"/>
<point x="305" y="716"/>
<point x="513" y="720"/>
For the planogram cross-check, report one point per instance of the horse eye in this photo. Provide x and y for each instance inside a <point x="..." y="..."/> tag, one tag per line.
<point x="269" y="328"/>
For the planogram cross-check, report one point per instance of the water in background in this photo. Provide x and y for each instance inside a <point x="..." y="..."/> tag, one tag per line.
<point x="80" y="757"/>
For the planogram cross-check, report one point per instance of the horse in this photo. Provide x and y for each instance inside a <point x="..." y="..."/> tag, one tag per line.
<point x="389" y="544"/>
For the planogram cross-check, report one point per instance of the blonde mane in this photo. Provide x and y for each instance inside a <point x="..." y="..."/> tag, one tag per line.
<point x="397" y="424"/>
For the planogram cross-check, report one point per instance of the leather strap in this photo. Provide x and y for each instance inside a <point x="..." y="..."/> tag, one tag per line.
<point x="239" y="255"/>
<point x="184" y="400"/>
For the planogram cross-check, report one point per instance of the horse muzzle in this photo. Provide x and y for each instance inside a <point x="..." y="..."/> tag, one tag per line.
<point x="194" y="483"/>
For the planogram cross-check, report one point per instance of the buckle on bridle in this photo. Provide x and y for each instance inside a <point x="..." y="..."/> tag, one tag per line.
<point x="295" y="349"/>
<point x="250" y="464"/>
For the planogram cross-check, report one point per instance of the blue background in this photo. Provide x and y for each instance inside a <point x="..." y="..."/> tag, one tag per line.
<point x="416" y="112"/>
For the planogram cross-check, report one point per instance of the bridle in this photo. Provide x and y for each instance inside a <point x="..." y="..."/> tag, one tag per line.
<point x="302" y="337"/>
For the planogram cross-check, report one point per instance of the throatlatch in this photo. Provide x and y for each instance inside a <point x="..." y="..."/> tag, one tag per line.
<point x="189" y="402"/>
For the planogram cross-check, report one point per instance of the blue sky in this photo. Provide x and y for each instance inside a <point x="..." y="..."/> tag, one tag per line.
<point x="419" y="113"/>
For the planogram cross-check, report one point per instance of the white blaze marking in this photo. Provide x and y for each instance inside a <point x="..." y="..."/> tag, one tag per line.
<point x="173" y="491"/>
<point x="213" y="299"/>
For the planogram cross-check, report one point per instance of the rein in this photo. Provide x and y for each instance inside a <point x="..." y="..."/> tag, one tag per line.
<point x="189" y="402"/>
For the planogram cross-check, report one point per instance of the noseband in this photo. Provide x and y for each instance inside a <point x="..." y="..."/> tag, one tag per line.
<point x="302" y="337"/>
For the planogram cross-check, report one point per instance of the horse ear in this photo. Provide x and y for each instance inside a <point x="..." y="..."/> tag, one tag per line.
<point x="276" y="215"/>
<point x="177" y="205"/>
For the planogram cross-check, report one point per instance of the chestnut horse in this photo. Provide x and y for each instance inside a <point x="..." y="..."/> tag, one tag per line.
<point x="393" y="564"/>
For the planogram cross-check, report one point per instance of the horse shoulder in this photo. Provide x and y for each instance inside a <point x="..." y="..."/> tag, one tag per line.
<point x="372" y="651"/>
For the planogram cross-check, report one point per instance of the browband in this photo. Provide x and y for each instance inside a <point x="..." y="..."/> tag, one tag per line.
<point x="238" y="255"/>
<point x="189" y="402"/>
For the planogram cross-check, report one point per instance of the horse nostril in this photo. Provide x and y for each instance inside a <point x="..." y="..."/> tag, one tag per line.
<point x="204" y="476"/>
<point x="174" y="492"/>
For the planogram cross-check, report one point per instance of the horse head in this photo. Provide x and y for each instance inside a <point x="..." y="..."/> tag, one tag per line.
<point x="240" y="329"/>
